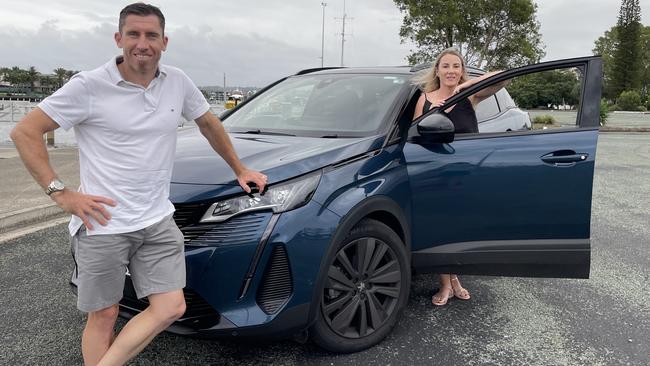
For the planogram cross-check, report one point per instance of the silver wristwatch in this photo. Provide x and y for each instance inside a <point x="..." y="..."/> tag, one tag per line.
<point x="55" y="186"/>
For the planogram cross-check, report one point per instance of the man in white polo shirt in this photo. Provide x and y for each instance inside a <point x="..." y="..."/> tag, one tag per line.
<point x="125" y="116"/>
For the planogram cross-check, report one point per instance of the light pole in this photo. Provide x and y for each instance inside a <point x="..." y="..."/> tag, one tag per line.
<point x="345" y="16"/>
<point x="322" y="40"/>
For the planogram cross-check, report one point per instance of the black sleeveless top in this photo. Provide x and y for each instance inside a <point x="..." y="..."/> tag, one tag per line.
<point x="463" y="115"/>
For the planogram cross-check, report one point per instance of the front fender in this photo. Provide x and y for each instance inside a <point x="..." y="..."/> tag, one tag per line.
<point x="375" y="187"/>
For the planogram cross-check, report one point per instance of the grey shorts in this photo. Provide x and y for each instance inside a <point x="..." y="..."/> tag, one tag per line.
<point x="154" y="257"/>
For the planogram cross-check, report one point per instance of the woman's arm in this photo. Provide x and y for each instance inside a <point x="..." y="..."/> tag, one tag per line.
<point x="418" y="107"/>
<point x="483" y="93"/>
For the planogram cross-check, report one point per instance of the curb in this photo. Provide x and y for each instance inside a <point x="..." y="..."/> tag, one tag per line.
<point x="16" y="219"/>
<point x="624" y="129"/>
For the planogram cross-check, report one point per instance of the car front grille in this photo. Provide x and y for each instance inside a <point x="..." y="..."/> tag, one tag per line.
<point x="238" y="230"/>
<point x="198" y="313"/>
<point x="187" y="214"/>
<point x="277" y="284"/>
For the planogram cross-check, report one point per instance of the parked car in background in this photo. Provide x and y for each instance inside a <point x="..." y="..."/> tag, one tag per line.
<point x="499" y="113"/>
<point x="359" y="196"/>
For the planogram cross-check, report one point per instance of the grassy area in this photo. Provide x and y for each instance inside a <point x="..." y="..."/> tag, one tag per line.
<point x="616" y="119"/>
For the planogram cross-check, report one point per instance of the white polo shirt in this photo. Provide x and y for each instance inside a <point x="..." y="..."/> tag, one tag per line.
<point x="127" y="139"/>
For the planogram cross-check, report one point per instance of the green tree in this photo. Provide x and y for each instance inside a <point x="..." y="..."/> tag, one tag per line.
<point x="604" y="112"/>
<point x="70" y="73"/>
<point x="49" y="83"/>
<point x="544" y="89"/>
<point x="605" y="46"/>
<point x="60" y="75"/>
<point x="645" y="61"/>
<point x="17" y="76"/>
<point x="489" y="33"/>
<point x="629" y="100"/>
<point x="32" y="76"/>
<point x="626" y="63"/>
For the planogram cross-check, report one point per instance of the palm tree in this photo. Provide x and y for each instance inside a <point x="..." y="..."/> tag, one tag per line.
<point x="32" y="76"/>
<point x="60" y="75"/>
<point x="70" y="73"/>
<point x="16" y="76"/>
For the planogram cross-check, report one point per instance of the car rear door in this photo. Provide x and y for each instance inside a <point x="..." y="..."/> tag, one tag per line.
<point x="515" y="203"/>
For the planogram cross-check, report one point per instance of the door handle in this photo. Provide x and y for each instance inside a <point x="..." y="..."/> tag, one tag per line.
<point x="564" y="157"/>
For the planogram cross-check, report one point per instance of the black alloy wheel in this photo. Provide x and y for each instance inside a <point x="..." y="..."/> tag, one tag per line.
<point x="366" y="288"/>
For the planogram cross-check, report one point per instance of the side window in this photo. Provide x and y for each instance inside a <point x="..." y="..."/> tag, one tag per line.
<point x="535" y="101"/>
<point x="505" y="100"/>
<point x="551" y="98"/>
<point x="487" y="109"/>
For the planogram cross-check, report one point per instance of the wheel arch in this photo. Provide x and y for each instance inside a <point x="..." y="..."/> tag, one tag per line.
<point x="379" y="208"/>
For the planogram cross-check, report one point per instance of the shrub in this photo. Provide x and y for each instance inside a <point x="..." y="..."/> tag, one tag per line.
<point x="604" y="112"/>
<point x="544" y="119"/>
<point x="629" y="100"/>
<point x="641" y="108"/>
<point x="614" y="108"/>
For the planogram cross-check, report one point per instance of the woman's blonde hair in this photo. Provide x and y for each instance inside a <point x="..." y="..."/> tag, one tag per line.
<point x="428" y="79"/>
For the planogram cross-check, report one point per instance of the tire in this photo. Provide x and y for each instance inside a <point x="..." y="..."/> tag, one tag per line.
<point x="358" y="309"/>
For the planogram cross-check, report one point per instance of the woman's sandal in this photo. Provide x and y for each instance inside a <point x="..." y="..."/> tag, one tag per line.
<point x="461" y="293"/>
<point x="439" y="299"/>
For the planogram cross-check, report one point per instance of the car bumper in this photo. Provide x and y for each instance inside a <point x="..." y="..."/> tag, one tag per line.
<point x="252" y="275"/>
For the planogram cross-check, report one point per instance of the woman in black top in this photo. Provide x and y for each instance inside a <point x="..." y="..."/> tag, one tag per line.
<point x="447" y="77"/>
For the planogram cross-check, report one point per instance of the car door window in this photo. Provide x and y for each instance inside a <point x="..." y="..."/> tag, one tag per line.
<point x="536" y="101"/>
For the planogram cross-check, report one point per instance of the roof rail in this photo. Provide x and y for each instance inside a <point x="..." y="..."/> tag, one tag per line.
<point x="420" y="67"/>
<point x="309" y="71"/>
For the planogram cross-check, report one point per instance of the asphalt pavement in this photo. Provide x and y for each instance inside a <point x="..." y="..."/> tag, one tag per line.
<point x="604" y="320"/>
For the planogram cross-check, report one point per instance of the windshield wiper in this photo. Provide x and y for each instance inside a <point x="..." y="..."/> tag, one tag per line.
<point x="257" y="131"/>
<point x="332" y="136"/>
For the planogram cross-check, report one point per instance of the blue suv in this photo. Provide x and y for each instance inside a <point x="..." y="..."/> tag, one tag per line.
<point x="360" y="196"/>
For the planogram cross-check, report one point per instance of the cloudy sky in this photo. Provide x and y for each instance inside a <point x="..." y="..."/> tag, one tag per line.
<point x="255" y="42"/>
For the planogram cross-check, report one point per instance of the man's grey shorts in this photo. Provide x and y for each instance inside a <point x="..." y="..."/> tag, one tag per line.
<point x="154" y="257"/>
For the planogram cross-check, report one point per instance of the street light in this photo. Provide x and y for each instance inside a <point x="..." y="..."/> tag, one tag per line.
<point x="322" y="41"/>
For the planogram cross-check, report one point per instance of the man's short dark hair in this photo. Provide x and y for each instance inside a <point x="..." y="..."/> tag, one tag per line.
<point x="143" y="10"/>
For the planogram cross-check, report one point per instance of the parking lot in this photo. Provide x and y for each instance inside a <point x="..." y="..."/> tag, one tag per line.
<point x="509" y="321"/>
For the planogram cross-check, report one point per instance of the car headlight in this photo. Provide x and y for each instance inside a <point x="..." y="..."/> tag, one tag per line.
<point x="279" y="198"/>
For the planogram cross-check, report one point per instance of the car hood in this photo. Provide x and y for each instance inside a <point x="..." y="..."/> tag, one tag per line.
<point x="279" y="157"/>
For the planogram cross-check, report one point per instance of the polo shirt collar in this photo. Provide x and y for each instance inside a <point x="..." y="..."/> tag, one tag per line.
<point x="116" y="76"/>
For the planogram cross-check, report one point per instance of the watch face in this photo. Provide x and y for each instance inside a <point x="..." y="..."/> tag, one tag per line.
<point x="54" y="186"/>
<point x="57" y="185"/>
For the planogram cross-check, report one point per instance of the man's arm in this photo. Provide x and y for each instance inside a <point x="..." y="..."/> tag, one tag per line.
<point x="211" y="127"/>
<point x="28" y="138"/>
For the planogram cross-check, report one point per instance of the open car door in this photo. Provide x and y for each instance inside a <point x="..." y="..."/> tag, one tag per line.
<point x="514" y="203"/>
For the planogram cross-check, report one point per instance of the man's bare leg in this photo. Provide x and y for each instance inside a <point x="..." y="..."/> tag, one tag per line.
<point x="98" y="334"/>
<point x="163" y="310"/>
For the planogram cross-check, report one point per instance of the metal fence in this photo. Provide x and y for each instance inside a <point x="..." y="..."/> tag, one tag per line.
<point x="11" y="112"/>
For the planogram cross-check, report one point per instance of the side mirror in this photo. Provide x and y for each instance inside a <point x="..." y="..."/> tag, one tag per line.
<point x="436" y="128"/>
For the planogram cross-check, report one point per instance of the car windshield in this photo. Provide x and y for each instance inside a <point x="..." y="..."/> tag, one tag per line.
<point x="326" y="105"/>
